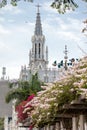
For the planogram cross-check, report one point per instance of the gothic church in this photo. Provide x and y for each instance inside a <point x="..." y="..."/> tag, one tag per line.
<point x="38" y="57"/>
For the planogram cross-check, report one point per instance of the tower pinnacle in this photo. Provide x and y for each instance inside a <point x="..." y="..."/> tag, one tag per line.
<point x="65" y="57"/>
<point x="38" y="26"/>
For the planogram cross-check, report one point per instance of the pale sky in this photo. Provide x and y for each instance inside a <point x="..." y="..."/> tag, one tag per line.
<point x="17" y="27"/>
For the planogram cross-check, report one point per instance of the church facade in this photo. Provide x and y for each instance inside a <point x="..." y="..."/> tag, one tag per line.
<point x="38" y="57"/>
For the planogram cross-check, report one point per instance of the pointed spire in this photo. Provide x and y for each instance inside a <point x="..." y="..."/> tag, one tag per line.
<point x="38" y="27"/>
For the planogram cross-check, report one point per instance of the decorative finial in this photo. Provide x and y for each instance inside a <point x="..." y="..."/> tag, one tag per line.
<point x="65" y="57"/>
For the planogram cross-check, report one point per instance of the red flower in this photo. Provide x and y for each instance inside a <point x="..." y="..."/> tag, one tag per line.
<point x="30" y="97"/>
<point x="21" y="116"/>
<point x="20" y="108"/>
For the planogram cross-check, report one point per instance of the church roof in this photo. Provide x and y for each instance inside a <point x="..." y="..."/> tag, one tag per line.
<point x="38" y="26"/>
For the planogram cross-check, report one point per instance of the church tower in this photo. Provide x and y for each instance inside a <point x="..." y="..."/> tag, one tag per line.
<point x="38" y="56"/>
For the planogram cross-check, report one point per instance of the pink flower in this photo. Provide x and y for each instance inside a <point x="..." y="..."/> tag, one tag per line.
<point x="30" y="97"/>
<point x="31" y="127"/>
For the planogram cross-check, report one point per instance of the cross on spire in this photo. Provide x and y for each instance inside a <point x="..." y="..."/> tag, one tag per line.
<point x="38" y="6"/>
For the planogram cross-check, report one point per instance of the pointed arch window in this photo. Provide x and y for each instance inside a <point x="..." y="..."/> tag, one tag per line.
<point x="35" y="50"/>
<point x="39" y="50"/>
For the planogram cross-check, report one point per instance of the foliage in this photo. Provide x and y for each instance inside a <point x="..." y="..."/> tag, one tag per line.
<point x="48" y="104"/>
<point x="85" y="28"/>
<point x="44" y="107"/>
<point x="68" y="94"/>
<point x="35" y="84"/>
<point x="20" y="90"/>
<point x="1" y="123"/>
<point x="53" y="102"/>
<point x="61" y="5"/>
<point x="12" y="2"/>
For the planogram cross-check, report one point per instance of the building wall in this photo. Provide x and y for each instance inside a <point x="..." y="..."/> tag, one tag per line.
<point x="45" y="75"/>
<point x="5" y="109"/>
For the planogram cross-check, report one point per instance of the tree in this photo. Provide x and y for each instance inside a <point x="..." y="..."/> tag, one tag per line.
<point x="35" y="84"/>
<point x="22" y="89"/>
<point x="1" y="123"/>
<point x="61" y="5"/>
<point x="85" y="28"/>
<point x="20" y="93"/>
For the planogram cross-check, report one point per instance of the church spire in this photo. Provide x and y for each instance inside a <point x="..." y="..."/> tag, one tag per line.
<point x="39" y="54"/>
<point x="38" y="26"/>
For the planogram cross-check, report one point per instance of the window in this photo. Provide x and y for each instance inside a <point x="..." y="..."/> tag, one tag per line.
<point x="39" y="50"/>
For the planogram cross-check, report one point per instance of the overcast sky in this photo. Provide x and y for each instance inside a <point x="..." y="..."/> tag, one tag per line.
<point x="17" y="27"/>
